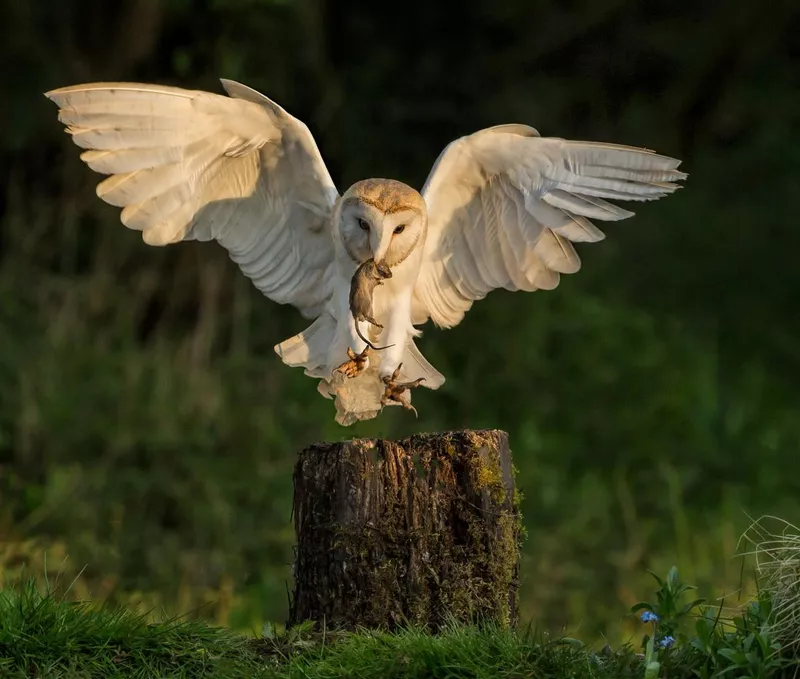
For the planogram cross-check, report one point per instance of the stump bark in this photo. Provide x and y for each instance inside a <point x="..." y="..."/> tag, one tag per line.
<point x="413" y="531"/>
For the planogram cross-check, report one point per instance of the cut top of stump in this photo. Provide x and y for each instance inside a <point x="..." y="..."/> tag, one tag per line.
<point x="415" y="531"/>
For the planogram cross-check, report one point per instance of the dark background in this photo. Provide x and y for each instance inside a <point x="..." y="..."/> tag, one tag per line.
<point x="147" y="429"/>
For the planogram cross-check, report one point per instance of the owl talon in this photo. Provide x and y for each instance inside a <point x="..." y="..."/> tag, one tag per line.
<point x="357" y="363"/>
<point x="395" y="389"/>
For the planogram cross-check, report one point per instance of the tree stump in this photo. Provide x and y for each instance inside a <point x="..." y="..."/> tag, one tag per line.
<point x="408" y="532"/>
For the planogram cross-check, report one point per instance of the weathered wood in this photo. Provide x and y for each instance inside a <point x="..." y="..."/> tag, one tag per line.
<point x="406" y="532"/>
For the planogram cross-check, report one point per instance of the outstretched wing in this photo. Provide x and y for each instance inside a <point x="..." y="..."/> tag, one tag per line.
<point x="505" y="206"/>
<point x="191" y="165"/>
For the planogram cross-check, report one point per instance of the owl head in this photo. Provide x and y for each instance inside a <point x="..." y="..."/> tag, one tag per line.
<point x="383" y="219"/>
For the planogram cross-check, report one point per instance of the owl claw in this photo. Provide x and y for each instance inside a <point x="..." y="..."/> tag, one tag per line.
<point x="357" y="363"/>
<point x="395" y="389"/>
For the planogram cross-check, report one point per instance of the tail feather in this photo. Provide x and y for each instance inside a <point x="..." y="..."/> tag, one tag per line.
<point x="309" y="349"/>
<point x="415" y="365"/>
<point x="357" y="398"/>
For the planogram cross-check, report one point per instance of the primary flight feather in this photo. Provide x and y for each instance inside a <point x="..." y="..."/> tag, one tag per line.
<point x="500" y="209"/>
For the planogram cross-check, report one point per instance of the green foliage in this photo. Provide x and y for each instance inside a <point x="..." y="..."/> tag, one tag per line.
<point x="742" y="645"/>
<point x="747" y="648"/>
<point x="668" y="609"/>
<point x="148" y="431"/>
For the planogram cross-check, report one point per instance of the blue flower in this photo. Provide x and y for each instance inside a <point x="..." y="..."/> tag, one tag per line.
<point x="666" y="642"/>
<point x="649" y="616"/>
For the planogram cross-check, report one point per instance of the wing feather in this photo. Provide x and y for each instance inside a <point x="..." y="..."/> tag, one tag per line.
<point x="192" y="165"/>
<point x="505" y="206"/>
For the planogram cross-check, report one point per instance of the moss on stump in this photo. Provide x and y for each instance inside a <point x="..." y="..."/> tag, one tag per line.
<point x="406" y="532"/>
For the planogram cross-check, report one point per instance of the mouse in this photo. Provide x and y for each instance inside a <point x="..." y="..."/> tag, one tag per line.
<point x="367" y="277"/>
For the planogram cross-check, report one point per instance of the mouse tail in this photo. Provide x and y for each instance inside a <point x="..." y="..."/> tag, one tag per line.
<point x="369" y="344"/>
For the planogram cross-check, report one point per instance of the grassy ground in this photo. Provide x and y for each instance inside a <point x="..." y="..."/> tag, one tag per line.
<point x="45" y="635"/>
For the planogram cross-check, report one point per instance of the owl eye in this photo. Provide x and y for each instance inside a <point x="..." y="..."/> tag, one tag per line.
<point x="400" y="228"/>
<point x="363" y="224"/>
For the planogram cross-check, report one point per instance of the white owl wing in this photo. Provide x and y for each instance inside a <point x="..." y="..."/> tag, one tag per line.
<point x="505" y="206"/>
<point x="191" y="165"/>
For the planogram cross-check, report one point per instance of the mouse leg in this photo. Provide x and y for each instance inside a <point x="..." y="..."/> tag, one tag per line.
<point x="371" y="320"/>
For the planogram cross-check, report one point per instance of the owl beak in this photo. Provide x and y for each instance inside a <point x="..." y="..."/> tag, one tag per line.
<point x="380" y="245"/>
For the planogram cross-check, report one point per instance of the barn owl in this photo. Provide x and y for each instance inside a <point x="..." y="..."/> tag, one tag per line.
<point x="500" y="208"/>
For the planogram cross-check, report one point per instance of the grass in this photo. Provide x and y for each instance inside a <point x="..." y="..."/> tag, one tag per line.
<point x="42" y="634"/>
<point x="45" y="636"/>
<point x="776" y="546"/>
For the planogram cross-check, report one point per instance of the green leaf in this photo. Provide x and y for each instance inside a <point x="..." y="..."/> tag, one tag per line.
<point x="704" y="630"/>
<point x="651" y="670"/>
<point x="672" y="577"/>
<point x="732" y="655"/>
